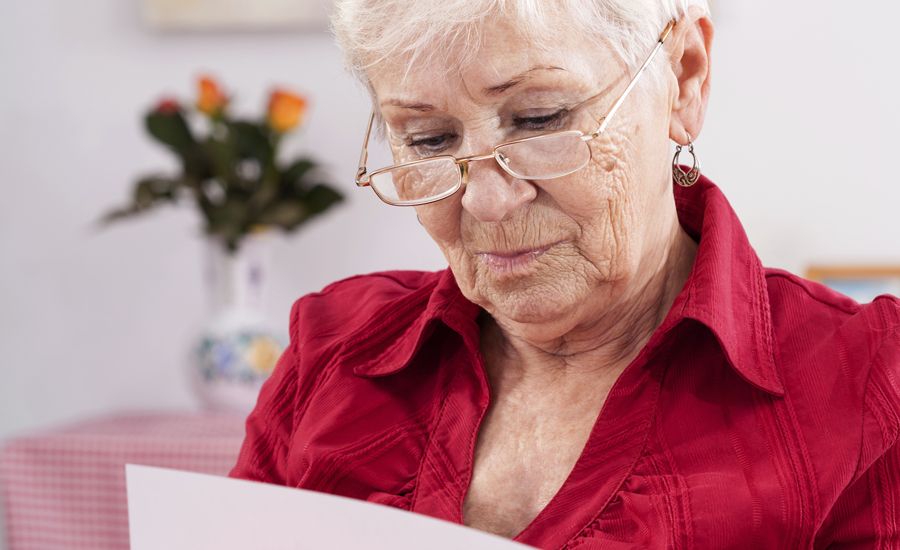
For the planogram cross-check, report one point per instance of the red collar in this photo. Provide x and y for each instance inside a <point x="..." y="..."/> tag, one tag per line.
<point x="726" y="292"/>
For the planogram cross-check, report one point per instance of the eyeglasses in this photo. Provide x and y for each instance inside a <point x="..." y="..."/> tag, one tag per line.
<point x="541" y="157"/>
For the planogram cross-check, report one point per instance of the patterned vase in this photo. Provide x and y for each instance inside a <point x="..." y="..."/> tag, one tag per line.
<point x="237" y="348"/>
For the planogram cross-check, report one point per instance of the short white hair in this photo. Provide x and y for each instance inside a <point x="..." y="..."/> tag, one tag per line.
<point x="419" y="31"/>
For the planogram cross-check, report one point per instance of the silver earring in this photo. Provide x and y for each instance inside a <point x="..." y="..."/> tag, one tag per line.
<point x="682" y="178"/>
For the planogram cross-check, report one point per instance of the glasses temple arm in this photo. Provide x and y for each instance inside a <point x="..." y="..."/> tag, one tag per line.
<point x="361" y="177"/>
<point x="634" y="80"/>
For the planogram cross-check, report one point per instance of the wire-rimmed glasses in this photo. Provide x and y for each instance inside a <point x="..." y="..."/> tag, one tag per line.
<point x="541" y="157"/>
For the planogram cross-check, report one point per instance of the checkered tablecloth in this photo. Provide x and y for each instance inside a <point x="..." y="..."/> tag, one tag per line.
<point x="65" y="488"/>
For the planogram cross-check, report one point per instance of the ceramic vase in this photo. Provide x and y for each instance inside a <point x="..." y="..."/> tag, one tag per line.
<point x="237" y="348"/>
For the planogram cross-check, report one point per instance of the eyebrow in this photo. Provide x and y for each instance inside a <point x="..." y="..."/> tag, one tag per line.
<point x="414" y="105"/>
<point x="516" y="80"/>
<point x="488" y="91"/>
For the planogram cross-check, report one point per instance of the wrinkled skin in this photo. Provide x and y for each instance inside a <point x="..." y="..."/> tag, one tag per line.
<point x="560" y="331"/>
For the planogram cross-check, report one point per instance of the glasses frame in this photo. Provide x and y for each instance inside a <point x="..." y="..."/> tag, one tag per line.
<point x="364" y="178"/>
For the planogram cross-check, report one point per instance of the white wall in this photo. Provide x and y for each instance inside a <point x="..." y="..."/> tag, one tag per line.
<point x="801" y="134"/>
<point x="802" y="131"/>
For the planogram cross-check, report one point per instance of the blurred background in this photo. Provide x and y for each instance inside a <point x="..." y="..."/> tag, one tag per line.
<point x="801" y="134"/>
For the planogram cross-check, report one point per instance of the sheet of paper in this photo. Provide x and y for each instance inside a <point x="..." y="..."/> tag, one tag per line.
<point x="178" y="510"/>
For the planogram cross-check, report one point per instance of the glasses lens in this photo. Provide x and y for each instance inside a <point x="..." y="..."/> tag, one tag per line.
<point x="417" y="182"/>
<point x="546" y="157"/>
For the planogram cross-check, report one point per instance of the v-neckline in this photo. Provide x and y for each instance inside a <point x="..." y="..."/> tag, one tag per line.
<point x="612" y="449"/>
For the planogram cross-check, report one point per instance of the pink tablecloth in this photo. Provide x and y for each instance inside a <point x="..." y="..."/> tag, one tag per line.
<point x="65" y="488"/>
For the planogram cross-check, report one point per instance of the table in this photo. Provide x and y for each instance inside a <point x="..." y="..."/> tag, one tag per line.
<point x="64" y="488"/>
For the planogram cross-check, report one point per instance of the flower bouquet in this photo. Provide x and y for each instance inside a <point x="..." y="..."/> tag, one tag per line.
<point x="231" y="170"/>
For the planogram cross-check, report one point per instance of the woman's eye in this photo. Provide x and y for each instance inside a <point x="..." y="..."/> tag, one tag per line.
<point x="543" y="122"/>
<point x="431" y="143"/>
<point x="438" y="143"/>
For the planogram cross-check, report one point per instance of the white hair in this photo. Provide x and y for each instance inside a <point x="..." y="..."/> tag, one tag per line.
<point x="372" y="31"/>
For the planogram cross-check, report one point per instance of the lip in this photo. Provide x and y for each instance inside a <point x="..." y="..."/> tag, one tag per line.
<point x="509" y="262"/>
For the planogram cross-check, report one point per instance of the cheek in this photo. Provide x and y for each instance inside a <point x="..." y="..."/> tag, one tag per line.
<point x="442" y="222"/>
<point x="589" y="195"/>
<point x="605" y="200"/>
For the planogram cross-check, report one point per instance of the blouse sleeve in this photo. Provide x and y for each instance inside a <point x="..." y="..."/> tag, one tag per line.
<point x="269" y="426"/>
<point x="867" y="513"/>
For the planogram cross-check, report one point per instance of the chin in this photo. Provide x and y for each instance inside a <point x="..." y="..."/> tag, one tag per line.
<point x="530" y="301"/>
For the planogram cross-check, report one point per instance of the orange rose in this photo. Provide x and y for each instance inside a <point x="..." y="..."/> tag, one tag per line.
<point x="286" y="110"/>
<point x="210" y="98"/>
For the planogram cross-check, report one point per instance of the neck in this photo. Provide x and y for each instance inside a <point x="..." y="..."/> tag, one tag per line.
<point x="616" y="325"/>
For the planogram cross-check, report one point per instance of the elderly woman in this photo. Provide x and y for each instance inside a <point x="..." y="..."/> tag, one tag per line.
<point x="605" y="363"/>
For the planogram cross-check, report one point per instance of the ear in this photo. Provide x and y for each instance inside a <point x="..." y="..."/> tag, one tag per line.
<point x="691" y="43"/>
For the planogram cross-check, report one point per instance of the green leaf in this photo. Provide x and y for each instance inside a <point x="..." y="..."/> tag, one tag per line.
<point x="118" y="214"/>
<point x="267" y="193"/>
<point x="221" y="155"/>
<point x="321" y="197"/>
<point x="287" y="214"/>
<point x="152" y="189"/>
<point x="149" y="192"/>
<point x="227" y="219"/>
<point x="170" y="129"/>
<point x="293" y="175"/>
<point x="251" y="140"/>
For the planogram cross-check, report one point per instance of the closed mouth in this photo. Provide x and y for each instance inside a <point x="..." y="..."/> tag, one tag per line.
<point x="505" y="261"/>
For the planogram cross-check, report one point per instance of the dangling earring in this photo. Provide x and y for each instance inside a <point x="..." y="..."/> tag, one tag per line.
<point x="682" y="178"/>
<point x="420" y="220"/>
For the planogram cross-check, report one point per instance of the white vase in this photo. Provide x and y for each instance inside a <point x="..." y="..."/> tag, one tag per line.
<point x="237" y="348"/>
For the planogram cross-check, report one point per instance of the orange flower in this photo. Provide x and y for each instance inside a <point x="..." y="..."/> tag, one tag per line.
<point x="210" y="98"/>
<point x="286" y="110"/>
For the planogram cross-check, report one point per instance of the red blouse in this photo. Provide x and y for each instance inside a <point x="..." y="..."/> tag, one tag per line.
<point x="763" y="413"/>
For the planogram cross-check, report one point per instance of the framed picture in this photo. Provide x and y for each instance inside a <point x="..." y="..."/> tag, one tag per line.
<point x="862" y="283"/>
<point x="238" y="15"/>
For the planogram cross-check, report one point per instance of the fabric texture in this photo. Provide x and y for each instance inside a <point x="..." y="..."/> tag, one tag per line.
<point x="764" y="411"/>
<point x="65" y="487"/>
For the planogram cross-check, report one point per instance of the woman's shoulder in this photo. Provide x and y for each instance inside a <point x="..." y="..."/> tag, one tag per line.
<point x="375" y="288"/>
<point x="341" y="308"/>
<point x="838" y="357"/>
<point x="796" y="301"/>
<point x="809" y="316"/>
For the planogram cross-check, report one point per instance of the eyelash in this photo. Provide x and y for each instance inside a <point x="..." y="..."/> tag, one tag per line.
<point x="545" y="122"/>
<point x="540" y="122"/>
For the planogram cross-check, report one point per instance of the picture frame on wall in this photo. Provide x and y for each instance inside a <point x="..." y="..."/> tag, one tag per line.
<point x="862" y="283"/>
<point x="236" y="15"/>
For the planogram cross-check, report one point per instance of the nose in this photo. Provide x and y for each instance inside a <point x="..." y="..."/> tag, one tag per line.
<point x="491" y="194"/>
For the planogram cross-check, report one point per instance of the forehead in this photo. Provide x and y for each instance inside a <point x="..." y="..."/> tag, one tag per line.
<point x="438" y="77"/>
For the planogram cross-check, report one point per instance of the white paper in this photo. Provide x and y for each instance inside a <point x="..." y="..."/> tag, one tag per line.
<point x="178" y="510"/>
